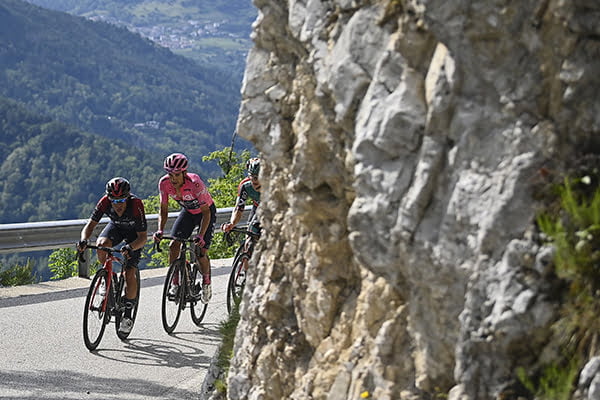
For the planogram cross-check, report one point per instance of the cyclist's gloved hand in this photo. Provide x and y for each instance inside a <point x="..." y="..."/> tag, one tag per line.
<point x="157" y="235"/>
<point x="127" y="250"/>
<point x="199" y="240"/>
<point x="227" y="226"/>
<point x="81" y="245"/>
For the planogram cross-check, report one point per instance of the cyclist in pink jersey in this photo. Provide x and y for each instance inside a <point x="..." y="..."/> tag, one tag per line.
<point x="198" y="210"/>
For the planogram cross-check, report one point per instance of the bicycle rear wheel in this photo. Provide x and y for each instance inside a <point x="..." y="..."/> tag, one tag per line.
<point x="173" y="296"/>
<point x="136" y="303"/>
<point x="197" y="308"/>
<point x="96" y="311"/>
<point x="237" y="280"/>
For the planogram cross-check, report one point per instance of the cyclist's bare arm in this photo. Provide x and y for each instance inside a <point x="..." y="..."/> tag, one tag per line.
<point x="162" y="216"/>
<point x="205" y="219"/>
<point x="87" y="230"/>
<point x="140" y="241"/>
<point x="236" y="216"/>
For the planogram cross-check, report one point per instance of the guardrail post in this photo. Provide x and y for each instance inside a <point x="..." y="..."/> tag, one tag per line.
<point x="84" y="266"/>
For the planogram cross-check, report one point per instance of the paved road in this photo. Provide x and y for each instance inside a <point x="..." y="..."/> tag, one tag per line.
<point x="42" y="354"/>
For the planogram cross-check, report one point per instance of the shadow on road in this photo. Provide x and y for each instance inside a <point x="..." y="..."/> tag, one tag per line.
<point x="35" y="385"/>
<point x="81" y="292"/>
<point x="184" y="353"/>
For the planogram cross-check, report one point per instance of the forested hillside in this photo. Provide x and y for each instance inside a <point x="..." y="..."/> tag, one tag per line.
<point x="51" y="170"/>
<point x="213" y="31"/>
<point x="62" y="76"/>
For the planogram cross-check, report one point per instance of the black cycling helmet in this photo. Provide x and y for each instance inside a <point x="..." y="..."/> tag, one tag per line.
<point x="253" y="166"/>
<point x="117" y="188"/>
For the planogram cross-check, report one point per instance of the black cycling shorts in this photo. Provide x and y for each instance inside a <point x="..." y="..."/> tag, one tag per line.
<point x="117" y="235"/>
<point x="186" y="222"/>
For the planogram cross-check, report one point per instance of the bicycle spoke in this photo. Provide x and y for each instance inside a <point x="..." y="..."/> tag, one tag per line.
<point x="237" y="280"/>
<point x="172" y="300"/>
<point x="94" y="318"/>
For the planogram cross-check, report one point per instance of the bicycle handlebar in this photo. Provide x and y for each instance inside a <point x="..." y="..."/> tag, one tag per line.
<point x="230" y="241"/>
<point x="245" y="231"/>
<point x="109" y="250"/>
<point x="156" y="245"/>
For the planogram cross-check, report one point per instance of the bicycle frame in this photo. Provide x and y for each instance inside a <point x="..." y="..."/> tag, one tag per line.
<point x="187" y="246"/>
<point x="108" y="266"/>
<point x="181" y="287"/>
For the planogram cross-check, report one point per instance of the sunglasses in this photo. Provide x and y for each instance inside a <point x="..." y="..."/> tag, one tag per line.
<point x="117" y="201"/>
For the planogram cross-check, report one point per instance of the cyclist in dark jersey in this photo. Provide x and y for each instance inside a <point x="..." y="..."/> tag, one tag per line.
<point x="127" y="223"/>
<point x="249" y="188"/>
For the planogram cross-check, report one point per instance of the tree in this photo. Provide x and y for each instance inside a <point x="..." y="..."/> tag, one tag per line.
<point x="224" y="191"/>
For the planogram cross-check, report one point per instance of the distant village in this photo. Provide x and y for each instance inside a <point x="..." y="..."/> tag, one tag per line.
<point x="183" y="36"/>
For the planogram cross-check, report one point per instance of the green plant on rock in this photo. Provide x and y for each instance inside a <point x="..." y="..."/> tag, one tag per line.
<point x="572" y="226"/>
<point x="554" y="383"/>
<point x="227" y="330"/>
<point x="575" y="234"/>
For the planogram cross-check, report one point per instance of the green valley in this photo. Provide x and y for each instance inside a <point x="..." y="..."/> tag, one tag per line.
<point x="83" y="101"/>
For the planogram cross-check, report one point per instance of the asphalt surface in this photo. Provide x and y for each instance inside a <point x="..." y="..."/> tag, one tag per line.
<point x="43" y="356"/>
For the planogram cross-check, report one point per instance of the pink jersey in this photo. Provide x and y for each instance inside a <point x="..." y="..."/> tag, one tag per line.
<point x="194" y="193"/>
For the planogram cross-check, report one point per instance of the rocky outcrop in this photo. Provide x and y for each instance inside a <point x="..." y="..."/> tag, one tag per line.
<point x="402" y="142"/>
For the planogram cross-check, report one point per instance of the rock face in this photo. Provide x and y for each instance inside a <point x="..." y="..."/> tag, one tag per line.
<point x="401" y="143"/>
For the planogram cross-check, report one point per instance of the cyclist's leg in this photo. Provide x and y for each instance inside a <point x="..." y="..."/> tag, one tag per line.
<point x="131" y="298"/>
<point x="112" y="236"/>
<point x="182" y="228"/>
<point x="202" y="256"/>
<point x="108" y="236"/>
<point x="131" y="283"/>
<point x="203" y="259"/>
<point x="253" y="227"/>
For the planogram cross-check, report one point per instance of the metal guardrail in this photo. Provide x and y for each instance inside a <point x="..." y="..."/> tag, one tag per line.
<point x="51" y="235"/>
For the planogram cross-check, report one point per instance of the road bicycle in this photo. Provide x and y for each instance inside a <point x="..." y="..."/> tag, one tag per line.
<point x="106" y="299"/>
<point x="183" y="286"/>
<point x="239" y="267"/>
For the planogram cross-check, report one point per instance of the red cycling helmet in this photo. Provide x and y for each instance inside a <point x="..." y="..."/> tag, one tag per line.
<point x="117" y="188"/>
<point x="176" y="163"/>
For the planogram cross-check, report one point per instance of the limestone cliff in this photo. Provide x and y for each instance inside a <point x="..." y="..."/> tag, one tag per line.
<point x="401" y="140"/>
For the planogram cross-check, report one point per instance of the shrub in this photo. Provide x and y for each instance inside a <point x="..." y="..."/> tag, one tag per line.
<point x="17" y="275"/>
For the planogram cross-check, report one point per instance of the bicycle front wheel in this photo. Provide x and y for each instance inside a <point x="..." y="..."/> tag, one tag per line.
<point x="173" y="296"/>
<point x="134" y="310"/>
<point x="197" y="307"/>
<point x="96" y="311"/>
<point x="237" y="280"/>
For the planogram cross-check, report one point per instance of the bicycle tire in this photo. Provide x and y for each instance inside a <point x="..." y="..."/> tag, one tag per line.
<point x="121" y="335"/>
<point x="197" y="308"/>
<point x="237" y="280"/>
<point x="172" y="305"/>
<point x="94" y="318"/>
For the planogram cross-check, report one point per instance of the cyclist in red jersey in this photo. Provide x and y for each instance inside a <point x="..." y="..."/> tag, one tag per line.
<point x="198" y="210"/>
<point x="127" y="223"/>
